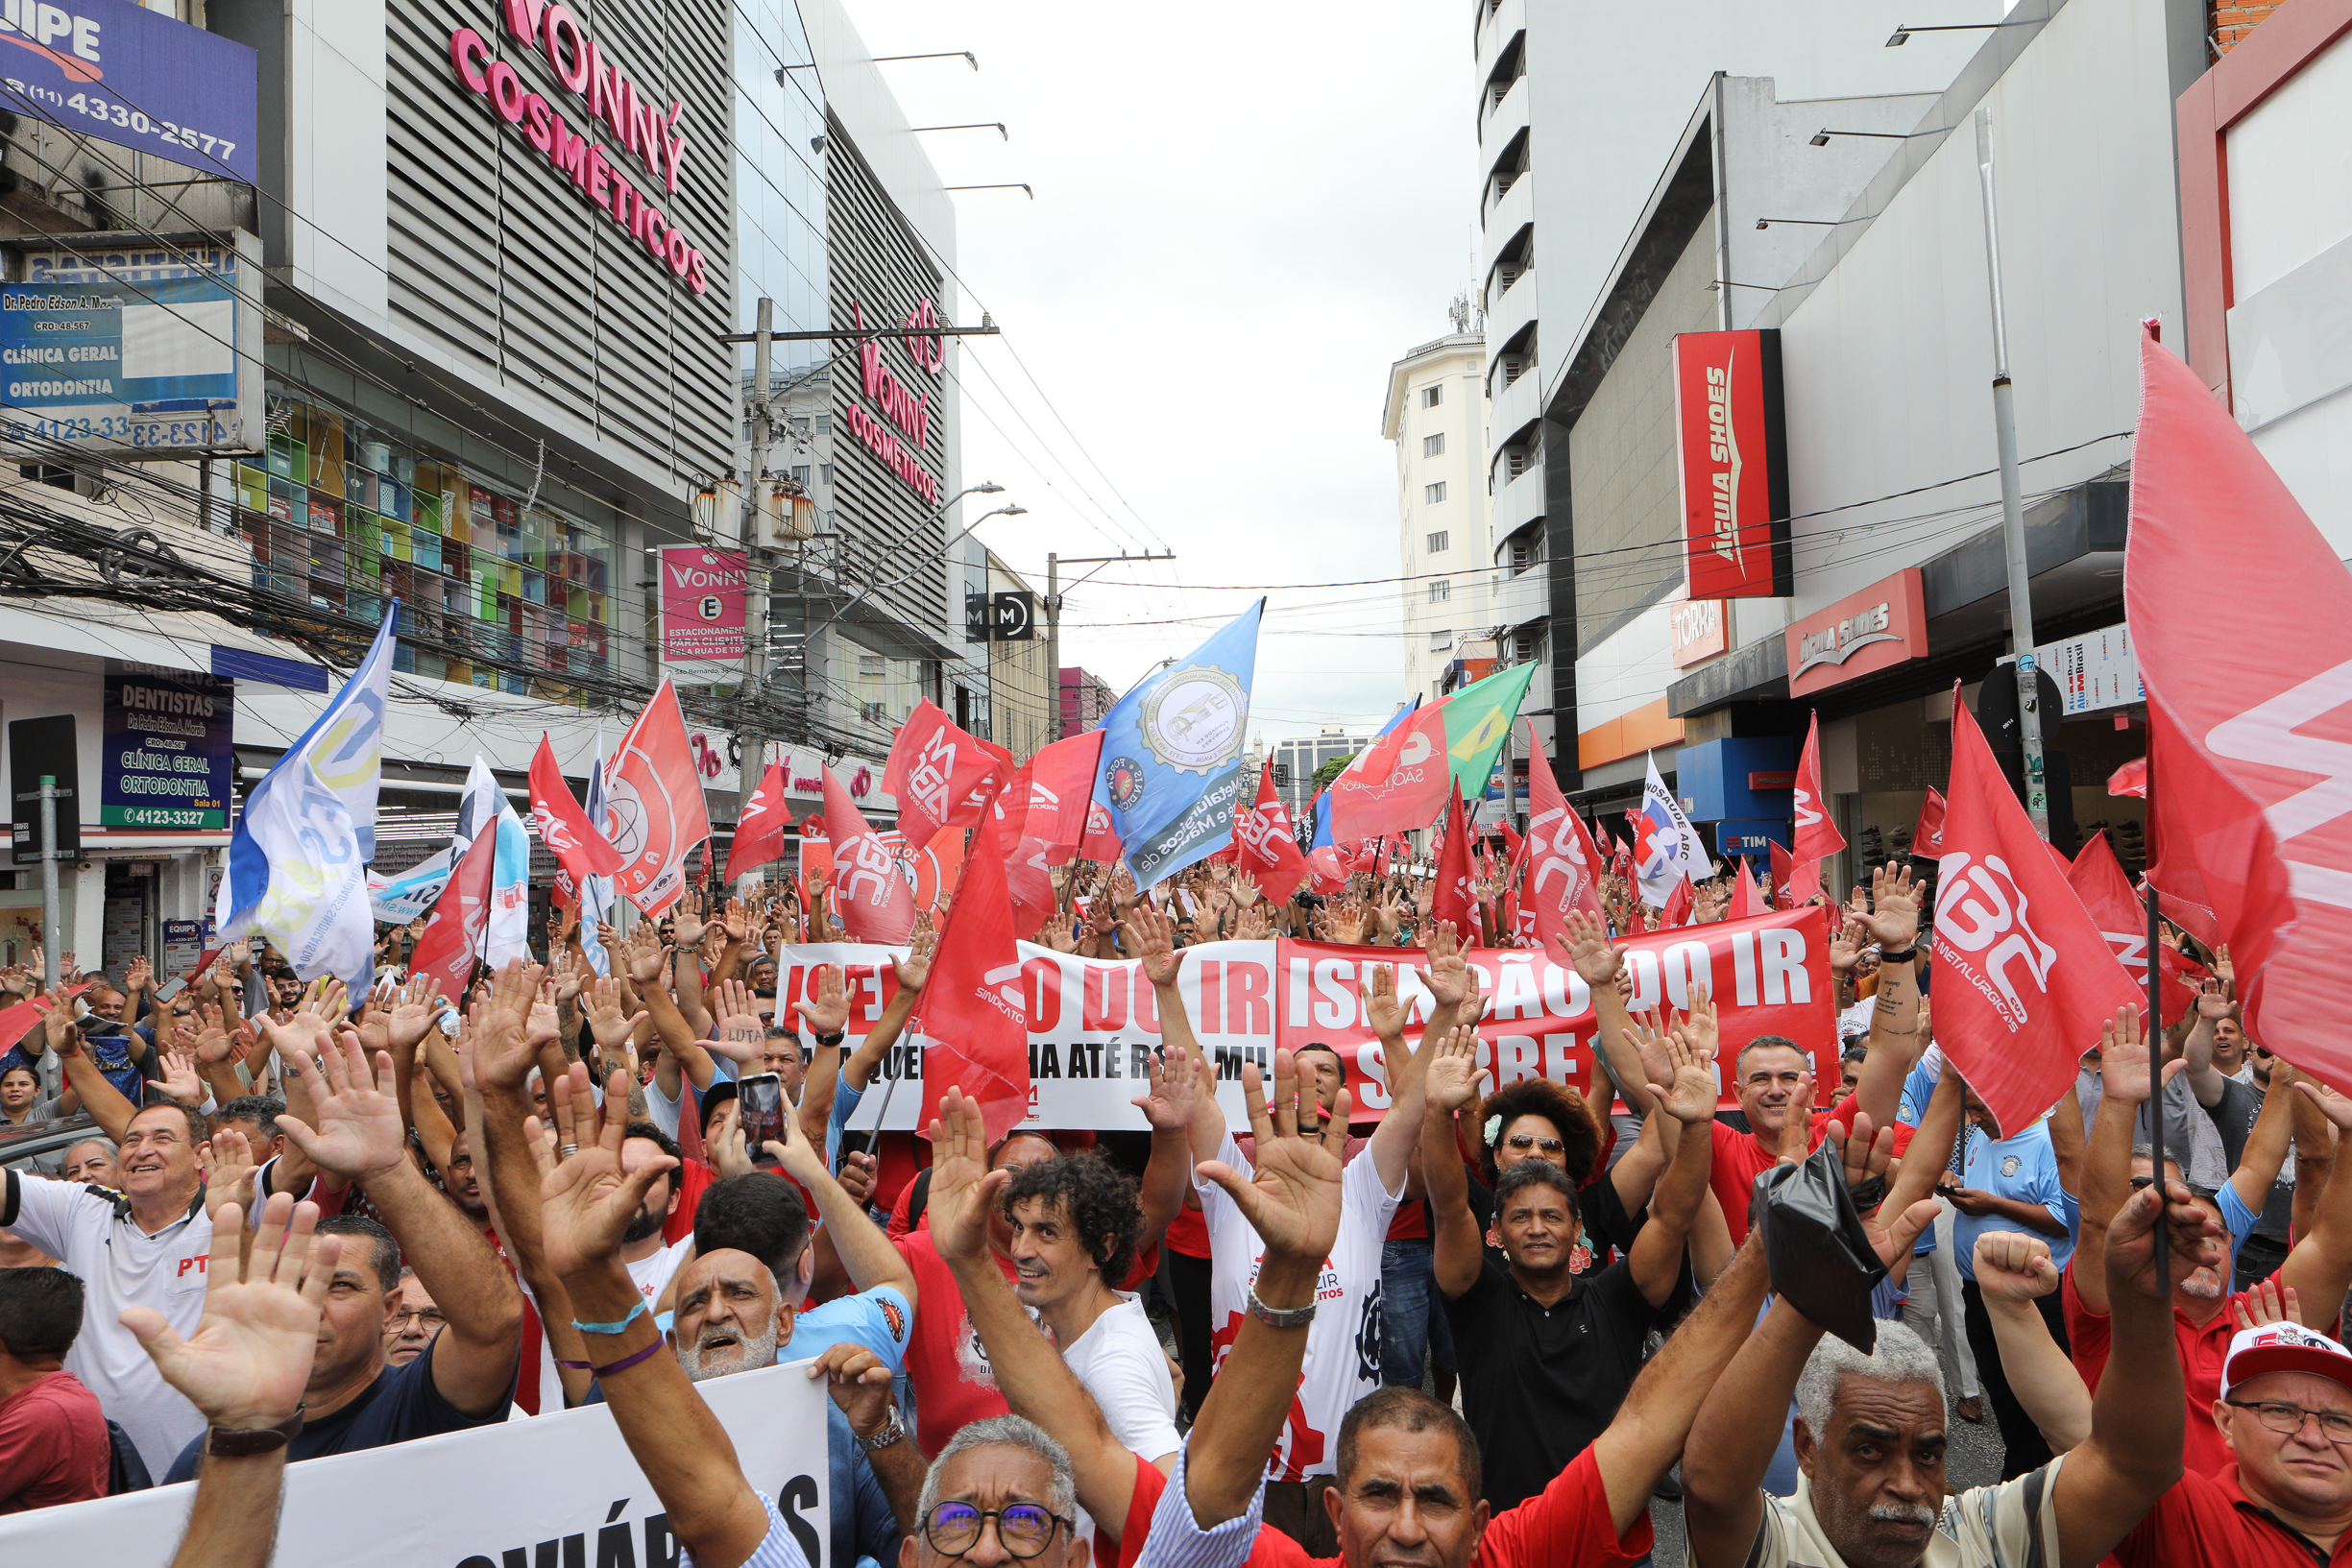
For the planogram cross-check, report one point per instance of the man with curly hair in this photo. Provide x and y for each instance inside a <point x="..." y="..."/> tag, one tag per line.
<point x="1074" y="1221"/>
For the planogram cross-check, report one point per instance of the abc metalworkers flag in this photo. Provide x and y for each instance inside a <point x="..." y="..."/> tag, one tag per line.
<point x="1093" y="1023"/>
<point x="1172" y="754"/>
<point x="557" y="1487"/>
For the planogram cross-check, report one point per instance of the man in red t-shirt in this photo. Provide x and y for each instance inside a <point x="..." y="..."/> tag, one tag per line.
<point x="53" y="1438"/>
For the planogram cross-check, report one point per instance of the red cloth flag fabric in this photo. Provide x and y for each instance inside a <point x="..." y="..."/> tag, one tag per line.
<point x="1451" y="899"/>
<point x="563" y="826"/>
<point x="1101" y="843"/>
<point x="654" y="813"/>
<point x="1265" y="843"/>
<point x="2023" y="978"/>
<point x="759" y="837"/>
<point x="1748" y="899"/>
<point x="870" y="898"/>
<point x="1400" y="783"/>
<point x="2098" y="879"/>
<point x="2131" y="779"/>
<point x="815" y="855"/>
<point x="1817" y="837"/>
<point x="1324" y="867"/>
<point x="1927" y="836"/>
<point x="2247" y="803"/>
<point x="934" y="769"/>
<point x="453" y="937"/>
<point x="1783" y="873"/>
<point x="1564" y="864"/>
<point x="1041" y="817"/>
<point x="1680" y="905"/>
<point x="972" y="1018"/>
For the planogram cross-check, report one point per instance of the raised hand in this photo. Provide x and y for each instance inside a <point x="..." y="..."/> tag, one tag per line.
<point x="1701" y="1022"/>
<point x="689" y="927"/>
<point x="610" y="1026"/>
<point x="1455" y="1079"/>
<point x="2014" y="1266"/>
<point x="586" y="1201"/>
<point x="962" y="1187"/>
<point x="860" y="1383"/>
<point x="735" y="921"/>
<point x="1292" y="1200"/>
<point x="570" y="971"/>
<point x="2195" y="1236"/>
<point x="645" y="956"/>
<point x="915" y="968"/>
<point x="825" y="1009"/>
<point x="359" y="1131"/>
<point x="503" y="1054"/>
<point x="543" y="1023"/>
<point x="2263" y="1306"/>
<point x="1153" y="940"/>
<point x="229" y="1177"/>
<point x="1381" y="1008"/>
<point x="179" y="1081"/>
<point x="248" y="1361"/>
<point x="1893" y="919"/>
<point x="1449" y="976"/>
<point x="2122" y="1061"/>
<point x="212" y="1042"/>
<point x="1865" y="1156"/>
<point x="1650" y="1034"/>
<point x="138" y="975"/>
<point x="738" y="1014"/>
<point x="1689" y="1094"/>
<point x="1245" y="889"/>
<point x="1175" y="1089"/>
<point x="2336" y="1107"/>
<point x="1596" y="961"/>
<point x="1846" y="947"/>
<point x="413" y="1013"/>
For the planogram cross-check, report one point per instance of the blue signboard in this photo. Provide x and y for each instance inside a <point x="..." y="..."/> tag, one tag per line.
<point x="166" y="756"/>
<point x="117" y="71"/>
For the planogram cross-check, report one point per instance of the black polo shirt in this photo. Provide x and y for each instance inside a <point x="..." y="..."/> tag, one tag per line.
<point x="1540" y="1384"/>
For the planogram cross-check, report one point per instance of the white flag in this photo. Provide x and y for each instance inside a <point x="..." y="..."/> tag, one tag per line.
<point x="1667" y="847"/>
<point x="486" y="808"/>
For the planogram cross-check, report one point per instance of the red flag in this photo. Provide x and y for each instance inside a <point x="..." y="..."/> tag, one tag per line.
<point x="1101" y="843"/>
<point x="2131" y="779"/>
<point x="1927" y="836"/>
<point x="1266" y="845"/>
<point x="654" y="813"/>
<point x="759" y="837"/>
<point x="870" y="898"/>
<point x="972" y="1018"/>
<point x="1680" y="905"/>
<point x="1041" y="817"/>
<point x="1451" y="899"/>
<point x="1817" y="837"/>
<point x="1400" y="783"/>
<point x="934" y="769"/>
<point x="563" y="826"/>
<point x="815" y="855"/>
<point x="1748" y="900"/>
<point x="1324" y="867"/>
<point x="2023" y="978"/>
<point x="2098" y="880"/>
<point x="1563" y="864"/>
<point x="2246" y="800"/>
<point x="453" y="937"/>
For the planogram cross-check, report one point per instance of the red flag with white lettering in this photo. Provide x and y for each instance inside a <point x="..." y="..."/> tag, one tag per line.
<point x="1324" y="867"/>
<point x="934" y="769"/>
<point x="870" y="898"/>
<point x="1817" y="837"/>
<point x="2023" y="978"/>
<point x="2098" y="879"/>
<point x="2247" y="803"/>
<point x="1748" y="899"/>
<point x="1783" y="873"/>
<point x="563" y="826"/>
<point x="972" y="1019"/>
<point x="815" y="855"/>
<point x="1564" y="864"/>
<point x="1265" y="843"/>
<point x="453" y="937"/>
<point x="654" y="813"/>
<point x="1927" y="837"/>
<point x="759" y="837"/>
<point x="1041" y="817"/>
<point x="1451" y="898"/>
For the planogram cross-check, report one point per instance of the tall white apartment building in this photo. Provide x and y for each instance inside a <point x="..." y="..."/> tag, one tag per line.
<point x="1437" y="418"/>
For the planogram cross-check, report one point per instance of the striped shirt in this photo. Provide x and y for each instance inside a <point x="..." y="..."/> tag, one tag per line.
<point x="777" y="1549"/>
<point x="1177" y="1539"/>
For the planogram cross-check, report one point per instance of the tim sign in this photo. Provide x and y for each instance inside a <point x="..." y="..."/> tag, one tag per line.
<point x="1732" y="454"/>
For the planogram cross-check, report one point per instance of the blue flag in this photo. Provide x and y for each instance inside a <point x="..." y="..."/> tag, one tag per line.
<point x="1323" y="821"/>
<point x="1172" y="754"/>
<point x="298" y="859"/>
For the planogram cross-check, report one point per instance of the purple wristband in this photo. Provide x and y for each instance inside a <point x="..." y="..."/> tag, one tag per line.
<point x="615" y="1368"/>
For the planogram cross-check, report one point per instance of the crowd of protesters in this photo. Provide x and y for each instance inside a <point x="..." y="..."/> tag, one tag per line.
<point x="1494" y="1324"/>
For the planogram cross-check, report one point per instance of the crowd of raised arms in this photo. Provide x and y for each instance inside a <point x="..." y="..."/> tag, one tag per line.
<point x="1491" y="1325"/>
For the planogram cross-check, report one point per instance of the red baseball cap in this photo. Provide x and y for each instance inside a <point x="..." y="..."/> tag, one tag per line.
<point x="2283" y="1348"/>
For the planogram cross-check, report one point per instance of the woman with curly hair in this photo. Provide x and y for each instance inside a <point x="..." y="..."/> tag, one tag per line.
<point x="1536" y="1119"/>
<point x="1075" y="1221"/>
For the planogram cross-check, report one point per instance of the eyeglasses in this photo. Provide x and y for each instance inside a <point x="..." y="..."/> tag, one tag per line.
<point x="2287" y="1419"/>
<point x="1026" y="1529"/>
<point x="424" y="1317"/>
<point x="1521" y="1142"/>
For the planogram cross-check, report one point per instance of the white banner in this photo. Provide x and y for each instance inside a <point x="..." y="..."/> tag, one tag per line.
<point x="553" y="1491"/>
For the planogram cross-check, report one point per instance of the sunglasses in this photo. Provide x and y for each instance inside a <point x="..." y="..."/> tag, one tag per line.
<point x="1521" y="1142"/>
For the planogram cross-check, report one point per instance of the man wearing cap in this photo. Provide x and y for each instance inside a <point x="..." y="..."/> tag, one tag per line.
<point x="2285" y="1412"/>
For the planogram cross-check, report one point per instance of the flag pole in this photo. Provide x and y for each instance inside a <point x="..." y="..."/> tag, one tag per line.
<point x="2155" y="1016"/>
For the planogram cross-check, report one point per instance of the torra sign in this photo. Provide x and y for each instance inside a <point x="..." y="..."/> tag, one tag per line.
<point x="646" y="132"/>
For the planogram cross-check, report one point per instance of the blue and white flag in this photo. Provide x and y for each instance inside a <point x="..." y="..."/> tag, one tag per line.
<point x="1666" y="847"/>
<point x="486" y="808"/>
<point x="411" y="894"/>
<point x="298" y="859"/>
<point x="596" y="892"/>
<point x="1172" y="754"/>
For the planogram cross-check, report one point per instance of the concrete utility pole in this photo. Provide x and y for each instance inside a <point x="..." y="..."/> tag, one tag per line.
<point x="751" y="737"/>
<point x="53" y="938"/>
<point x="2012" y="507"/>
<point x="1052" y="618"/>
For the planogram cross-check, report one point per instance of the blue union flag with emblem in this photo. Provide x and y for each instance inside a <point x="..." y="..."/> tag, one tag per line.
<point x="1173" y="768"/>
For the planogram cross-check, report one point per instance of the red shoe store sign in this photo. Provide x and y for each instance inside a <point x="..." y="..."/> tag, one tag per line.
<point x="1731" y="451"/>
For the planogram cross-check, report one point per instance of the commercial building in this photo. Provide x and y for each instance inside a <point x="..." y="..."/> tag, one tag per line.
<point x="1085" y="698"/>
<point x="470" y="293"/>
<point x="1435" y="417"/>
<point x="1297" y="759"/>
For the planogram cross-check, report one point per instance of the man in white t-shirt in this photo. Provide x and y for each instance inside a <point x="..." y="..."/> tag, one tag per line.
<point x="649" y="1260"/>
<point x="1075" y="1221"/>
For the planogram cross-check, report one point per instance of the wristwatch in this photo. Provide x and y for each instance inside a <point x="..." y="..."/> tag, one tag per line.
<point x="833" y="1039"/>
<point x="894" y="1431"/>
<point x="244" y="1442"/>
<point x="1903" y="958"/>
<point x="1287" y="1317"/>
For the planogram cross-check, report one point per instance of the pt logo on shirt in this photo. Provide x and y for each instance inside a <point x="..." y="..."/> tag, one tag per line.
<point x="1368" y="1338"/>
<point x="195" y="1263"/>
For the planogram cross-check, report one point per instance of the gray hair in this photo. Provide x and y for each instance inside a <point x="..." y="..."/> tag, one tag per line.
<point x="1901" y="1356"/>
<point x="1008" y="1432"/>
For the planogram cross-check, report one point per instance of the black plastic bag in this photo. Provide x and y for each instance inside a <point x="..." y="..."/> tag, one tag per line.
<point x="1814" y="1245"/>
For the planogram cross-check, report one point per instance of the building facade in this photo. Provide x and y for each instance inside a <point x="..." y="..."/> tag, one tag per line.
<point x="1297" y="759"/>
<point x="1085" y="698"/>
<point x="1435" y="417"/>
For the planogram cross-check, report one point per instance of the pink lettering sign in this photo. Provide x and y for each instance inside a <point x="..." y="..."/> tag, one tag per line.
<point x="702" y="604"/>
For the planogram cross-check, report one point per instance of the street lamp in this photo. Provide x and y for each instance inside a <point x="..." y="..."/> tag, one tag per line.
<point x="1821" y="138"/>
<point x="989" y="488"/>
<point x="1903" y="35"/>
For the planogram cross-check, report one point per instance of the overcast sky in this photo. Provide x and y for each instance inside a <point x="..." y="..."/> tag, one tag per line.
<point x="1245" y="213"/>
